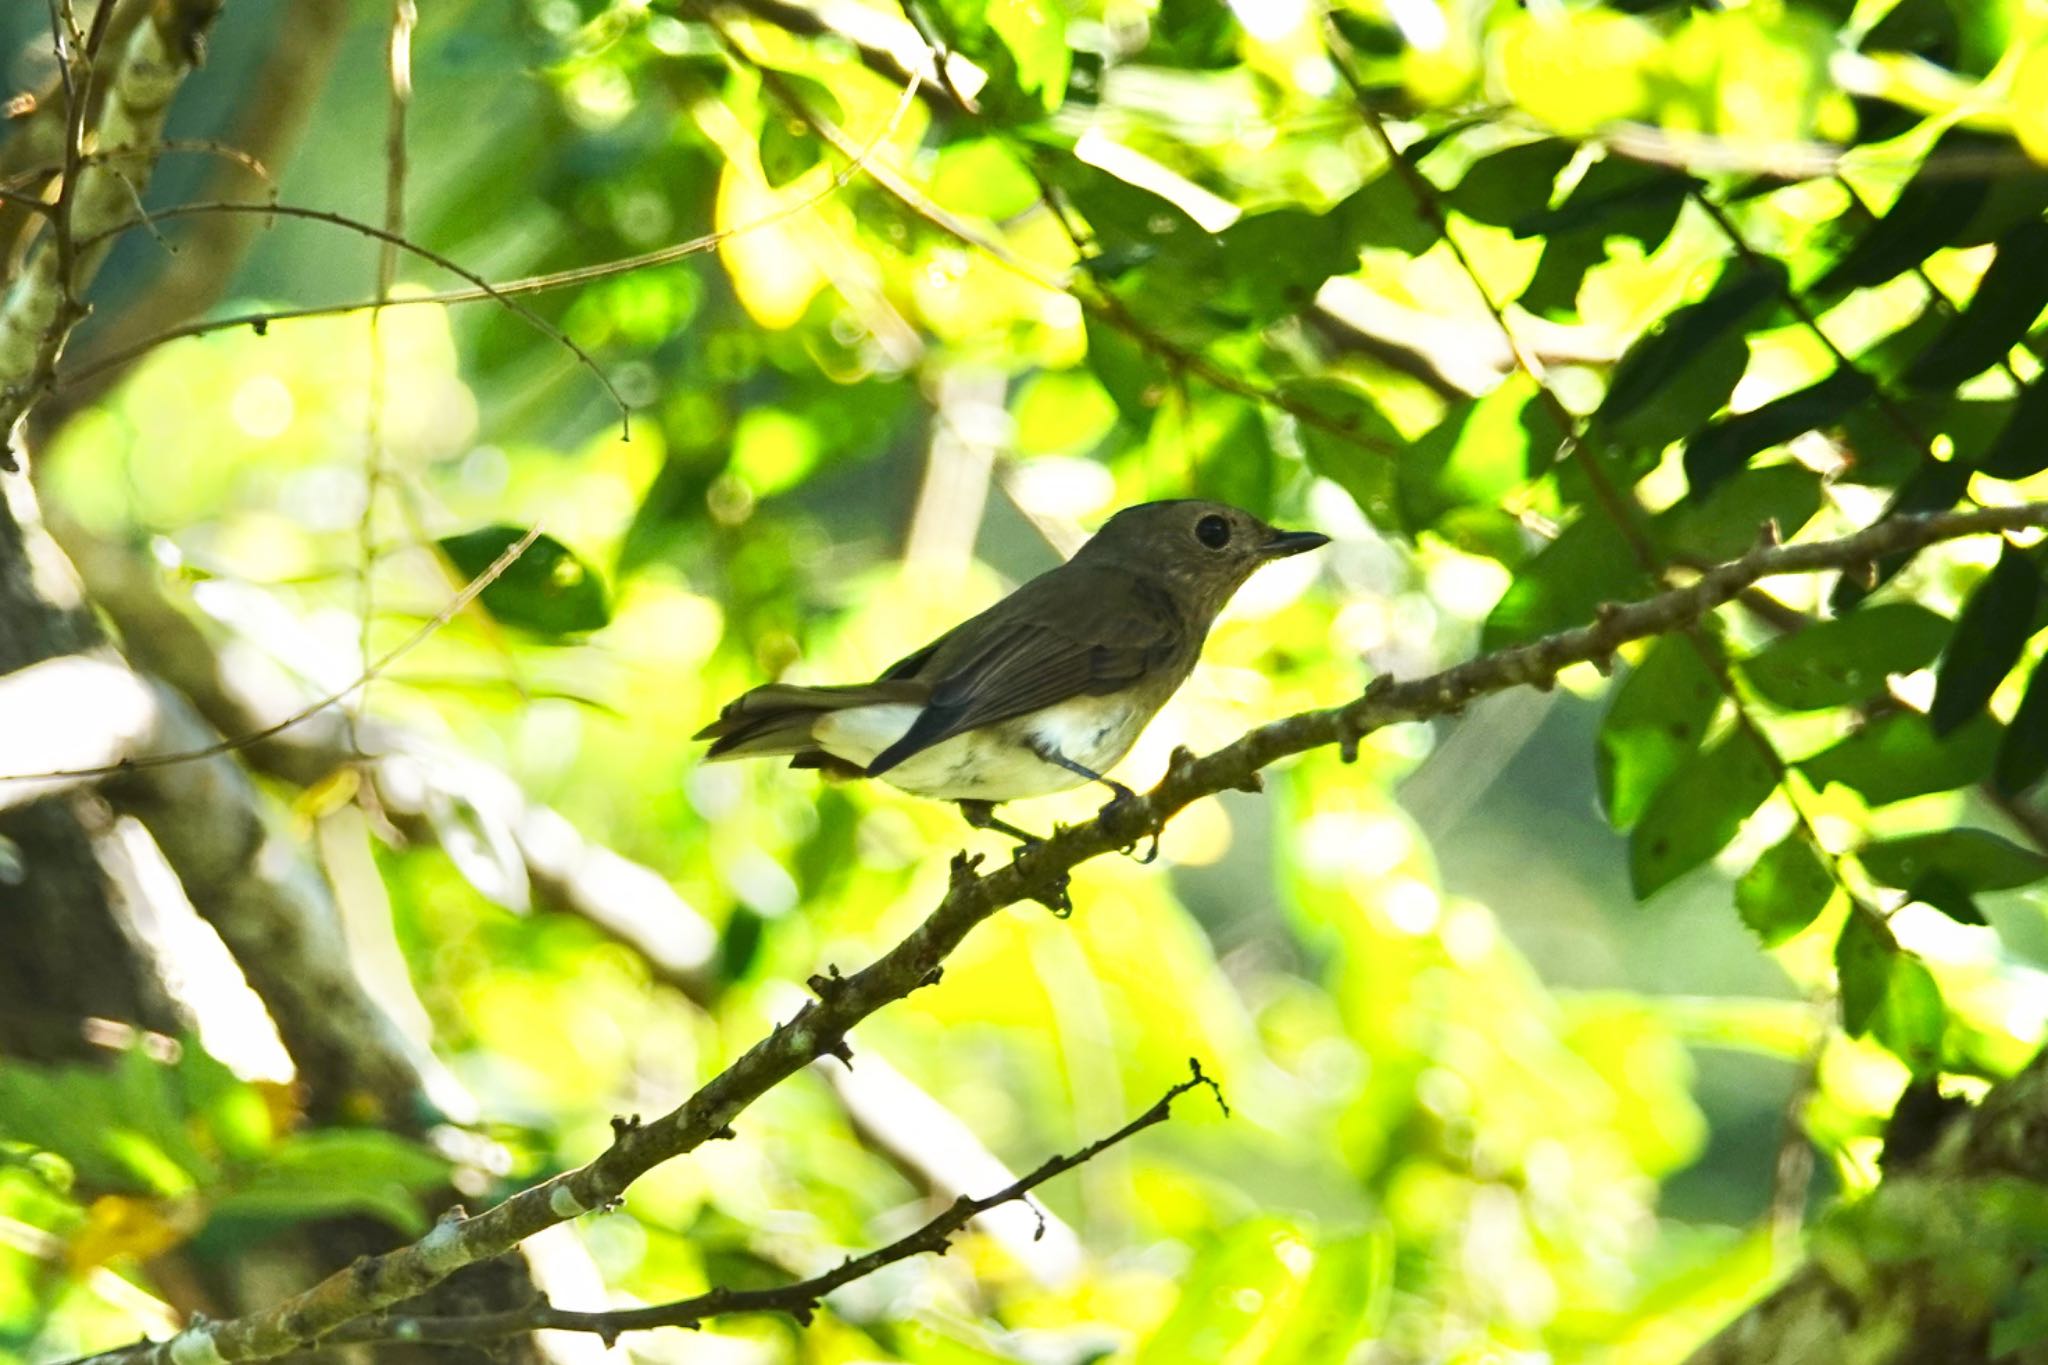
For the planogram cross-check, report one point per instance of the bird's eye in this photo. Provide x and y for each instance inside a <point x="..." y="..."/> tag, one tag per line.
<point x="1213" y="531"/>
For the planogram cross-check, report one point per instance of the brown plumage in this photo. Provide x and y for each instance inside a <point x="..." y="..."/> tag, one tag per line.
<point x="1046" y="689"/>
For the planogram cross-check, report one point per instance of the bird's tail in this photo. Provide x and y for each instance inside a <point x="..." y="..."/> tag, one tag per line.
<point x="777" y="719"/>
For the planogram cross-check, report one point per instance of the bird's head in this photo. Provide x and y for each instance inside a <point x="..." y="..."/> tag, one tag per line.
<point x="1200" y="551"/>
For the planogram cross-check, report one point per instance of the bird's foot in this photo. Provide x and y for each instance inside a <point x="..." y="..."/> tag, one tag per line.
<point x="1112" y="812"/>
<point x="1056" y="897"/>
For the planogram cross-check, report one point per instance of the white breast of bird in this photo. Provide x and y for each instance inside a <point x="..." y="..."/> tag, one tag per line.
<point x="995" y="763"/>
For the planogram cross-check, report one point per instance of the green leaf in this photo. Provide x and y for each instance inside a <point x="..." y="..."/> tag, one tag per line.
<point x="1131" y="375"/>
<point x="1999" y="315"/>
<point x="1683" y="342"/>
<point x="1479" y="452"/>
<point x="1196" y="35"/>
<point x="1726" y="522"/>
<point x="2021" y="448"/>
<point x="548" y="589"/>
<point x="341" y="1171"/>
<point x="1846" y="660"/>
<point x="1562" y="584"/>
<point x="787" y="149"/>
<point x="1911" y="1018"/>
<point x="1367" y="474"/>
<point x="1785" y="890"/>
<point x="2023" y="757"/>
<point x="1274" y="262"/>
<point x="1698" y="811"/>
<point x="2023" y="1321"/>
<point x="1863" y="968"/>
<point x="1929" y="214"/>
<point x="1035" y="31"/>
<point x="1657" y="720"/>
<point x="982" y="176"/>
<point x="1725" y="447"/>
<point x="1991" y="633"/>
<point x="1508" y="186"/>
<point x="1972" y="859"/>
<point x="1381" y="213"/>
<point x="1898" y="756"/>
<point x="1615" y="197"/>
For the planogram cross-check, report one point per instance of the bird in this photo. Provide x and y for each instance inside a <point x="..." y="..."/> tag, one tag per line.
<point x="1044" y="691"/>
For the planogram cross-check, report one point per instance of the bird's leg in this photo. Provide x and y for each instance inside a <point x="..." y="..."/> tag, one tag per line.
<point x="1122" y="795"/>
<point x="982" y="815"/>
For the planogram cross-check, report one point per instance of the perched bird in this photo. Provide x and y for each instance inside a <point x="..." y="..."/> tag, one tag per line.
<point x="1045" y="690"/>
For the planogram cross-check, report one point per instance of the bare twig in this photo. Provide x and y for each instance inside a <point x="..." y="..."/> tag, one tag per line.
<point x="447" y="613"/>
<point x="392" y="239"/>
<point x="798" y="1300"/>
<point x="375" y="1283"/>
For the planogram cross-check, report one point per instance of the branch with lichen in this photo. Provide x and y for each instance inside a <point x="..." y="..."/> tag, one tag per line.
<point x="43" y="304"/>
<point x="798" y="1300"/>
<point x="375" y="1284"/>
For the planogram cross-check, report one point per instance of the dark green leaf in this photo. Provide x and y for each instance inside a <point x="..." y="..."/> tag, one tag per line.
<point x="1972" y="859"/>
<point x="1898" y="756"/>
<point x="1911" y="1018"/>
<point x="1929" y="213"/>
<point x="1694" y="343"/>
<point x="1727" y="521"/>
<point x="548" y="589"/>
<point x="1725" y="447"/>
<point x="1274" y="262"/>
<point x="1589" y="563"/>
<point x="2023" y="1317"/>
<point x="2023" y="757"/>
<point x="2021" y="448"/>
<point x="1366" y="473"/>
<point x="1560" y="271"/>
<point x="1863" y="968"/>
<point x="1510" y="185"/>
<point x="1695" y="814"/>
<point x="1193" y="35"/>
<point x="1991" y="633"/>
<point x="2008" y="299"/>
<point x="787" y="149"/>
<point x="1615" y="197"/>
<point x="1659" y="716"/>
<point x="1785" y="890"/>
<point x="1846" y="660"/>
<point x="1129" y="373"/>
<point x="1382" y="213"/>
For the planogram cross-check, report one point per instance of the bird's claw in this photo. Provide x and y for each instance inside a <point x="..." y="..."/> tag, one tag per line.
<point x="1112" y="811"/>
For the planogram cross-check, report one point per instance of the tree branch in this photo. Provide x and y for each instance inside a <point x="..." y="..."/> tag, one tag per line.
<point x="376" y="1283"/>
<point x="799" y="1300"/>
<point x="277" y="106"/>
<point x="42" y="307"/>
<point x="1922" y="1268"/>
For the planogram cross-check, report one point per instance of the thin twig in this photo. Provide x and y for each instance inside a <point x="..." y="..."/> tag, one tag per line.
<point x="402" y="243"/>
<point x="798" y="1300"/>
<point x="447" y="613"/>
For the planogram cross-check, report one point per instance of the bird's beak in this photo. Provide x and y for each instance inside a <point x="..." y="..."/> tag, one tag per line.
<point x="1285" y="543"/>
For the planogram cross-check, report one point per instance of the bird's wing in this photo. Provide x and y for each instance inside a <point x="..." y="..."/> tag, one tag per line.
<point x="1017" y="658"/>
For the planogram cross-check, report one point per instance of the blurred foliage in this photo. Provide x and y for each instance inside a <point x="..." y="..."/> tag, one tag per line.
<point x="1777" y="261"/>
